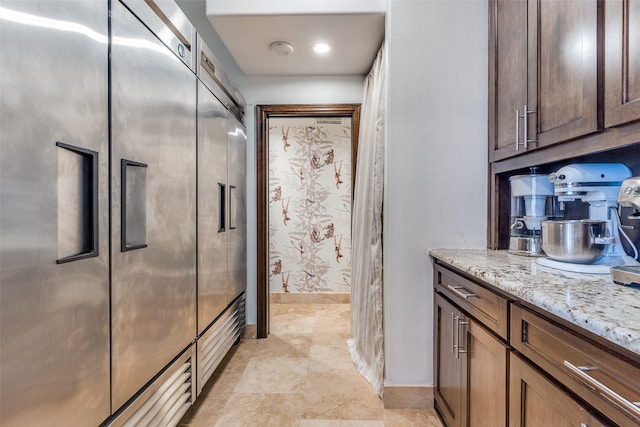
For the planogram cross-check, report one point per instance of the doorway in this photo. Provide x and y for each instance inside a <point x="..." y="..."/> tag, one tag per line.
<point x="320" y="159"/>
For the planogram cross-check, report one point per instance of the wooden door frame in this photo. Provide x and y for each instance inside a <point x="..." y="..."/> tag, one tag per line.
<point x="263" y="113"/>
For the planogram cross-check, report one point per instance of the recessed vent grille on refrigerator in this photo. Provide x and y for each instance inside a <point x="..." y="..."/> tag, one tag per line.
<point x="168" y="404"/>
<point x="214" y="344"/>
<point x="165" y="400"/>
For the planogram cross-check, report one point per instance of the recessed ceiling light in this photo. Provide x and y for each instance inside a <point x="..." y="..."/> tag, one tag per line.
<point x="321" y="48"/>
<point x="281" y="48"/>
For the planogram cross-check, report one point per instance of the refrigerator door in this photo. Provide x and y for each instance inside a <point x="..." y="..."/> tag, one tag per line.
<point x="212" y="202"/>
<point x="54" y="254"/>
<point x="237" y="143"/>
<point x="153" y="185"/>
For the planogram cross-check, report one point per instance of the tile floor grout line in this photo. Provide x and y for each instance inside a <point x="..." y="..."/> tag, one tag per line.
<point x="333" y="393"/>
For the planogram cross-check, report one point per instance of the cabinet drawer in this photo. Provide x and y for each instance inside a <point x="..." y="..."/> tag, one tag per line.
<point x="482" y="303"/>
<point x="535" y="401"/>
<point x="606" y="381"/>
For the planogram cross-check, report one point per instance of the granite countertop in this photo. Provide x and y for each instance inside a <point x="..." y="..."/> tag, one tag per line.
<point x="591" y="301"/>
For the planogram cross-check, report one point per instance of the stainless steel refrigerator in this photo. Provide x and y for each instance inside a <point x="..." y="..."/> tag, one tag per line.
<point x="221" y="189"/>
<point x="98" y="126"/>
<point x="221" y="192"/>
<point x="153" y="192"/>
<point x="54" y="213"/>
<point x="237" y="146"/>
<point x="213" y="191"/>
<point x="221" y="214"/>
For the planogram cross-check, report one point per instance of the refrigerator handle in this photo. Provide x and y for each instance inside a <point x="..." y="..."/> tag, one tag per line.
<point x="134" y="205"/>
<point x="87" y="205"/>
<point x="232" y="214"/>
<point x="222" y="204"/>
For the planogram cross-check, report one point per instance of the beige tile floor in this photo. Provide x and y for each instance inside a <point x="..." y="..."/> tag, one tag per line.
<point x="301" y="376"/>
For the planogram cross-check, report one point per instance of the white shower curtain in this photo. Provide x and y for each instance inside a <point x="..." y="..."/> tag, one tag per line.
<point x="366" y="343"/>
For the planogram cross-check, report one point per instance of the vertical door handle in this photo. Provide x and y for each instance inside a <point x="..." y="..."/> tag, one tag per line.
<point x="460" y="348"/>
<point x="134" y="205"/>
<point x="232" y="207"/>
<point x="457" y="335"/>
<point x="525" y="125"/>
<point x="453" y="332"/>
<point x="525" y="116"/>
<point x="517" y="129"/>
<point x="78" y="214"/>
<point x="222" y="208"/>
<point x="526" y="140"/>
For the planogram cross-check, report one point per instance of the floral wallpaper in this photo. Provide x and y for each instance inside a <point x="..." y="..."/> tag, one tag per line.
<point x="310" y="205"/>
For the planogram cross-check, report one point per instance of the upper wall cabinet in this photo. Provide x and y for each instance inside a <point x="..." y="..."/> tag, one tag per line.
<point x="544" y="74"/>
<point x="507" y="76"/>
<point x="622" y="61"/>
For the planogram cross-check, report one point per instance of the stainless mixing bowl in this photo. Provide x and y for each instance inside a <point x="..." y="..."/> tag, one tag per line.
<point x="577" y="241"/>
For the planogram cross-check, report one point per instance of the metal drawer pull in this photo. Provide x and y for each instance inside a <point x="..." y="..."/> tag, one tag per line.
<point x="456" y="290"/>
<point x="610" y="395"/>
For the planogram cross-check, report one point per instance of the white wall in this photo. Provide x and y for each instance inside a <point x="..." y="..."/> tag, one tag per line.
<point x="435" y="194"/>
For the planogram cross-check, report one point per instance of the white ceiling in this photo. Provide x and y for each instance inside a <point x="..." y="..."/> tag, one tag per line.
<point x="354" y="39"/>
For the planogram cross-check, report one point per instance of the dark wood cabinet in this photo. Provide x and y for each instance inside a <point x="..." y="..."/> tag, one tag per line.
<point x="481" y="303"/>
<point x="544" y="371"/>
<point x="622" y="61"/>
<point x="603" y="379"/>
<point x="546" y="74"/>
<point x="508" y="44"/>
<point x="535" y="401"/>
<point x="470" y="362"/>
<point x="575" y="65"/>
<point x="486" y="373"/>
<point x="448" y="364"/>
<point x="564" y="43"/>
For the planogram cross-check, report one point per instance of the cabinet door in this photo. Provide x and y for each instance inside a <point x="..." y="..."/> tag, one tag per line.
<point x="622" y="61"/>
<point x="536" y="402"/>
<point x="564" y="82"/>
<point x="509" y="72"/>
<point x="486" y="377"/>
<point x="448" y="363"/>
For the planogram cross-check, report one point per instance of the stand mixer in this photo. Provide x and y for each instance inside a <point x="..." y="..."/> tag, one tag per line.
<point x="597" y="184"/>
